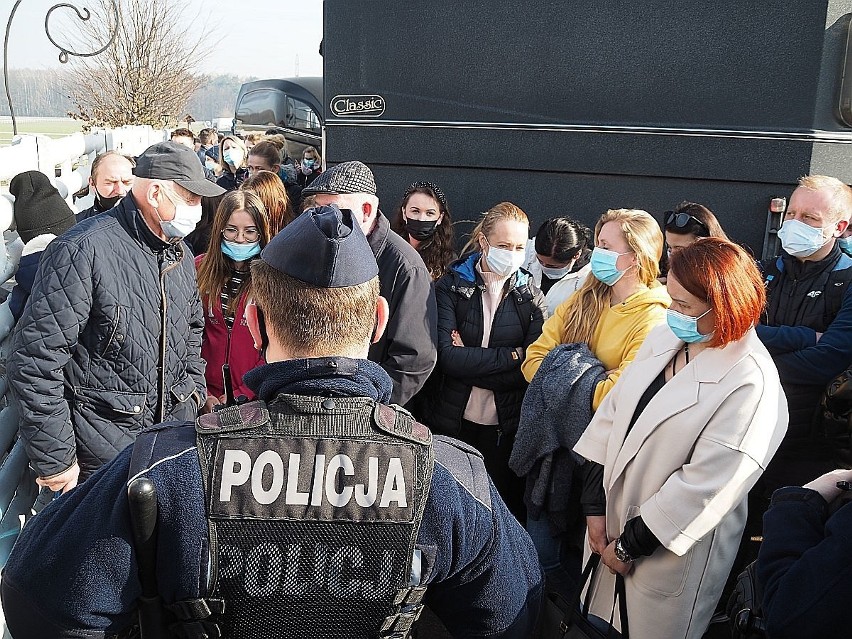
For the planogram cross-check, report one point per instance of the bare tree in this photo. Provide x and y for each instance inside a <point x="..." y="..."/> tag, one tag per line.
<point x="147" y="75"/>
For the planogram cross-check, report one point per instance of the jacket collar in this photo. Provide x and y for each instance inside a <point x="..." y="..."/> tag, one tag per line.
<point x="130" y="218"/>
<point x="378" y="237"/>
<point x="711" y="364"/>
<point x="680" y="393"/>
<point x="806" y="268"/>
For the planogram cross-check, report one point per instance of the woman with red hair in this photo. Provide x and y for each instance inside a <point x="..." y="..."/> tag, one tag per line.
<point x="678" y="442"/>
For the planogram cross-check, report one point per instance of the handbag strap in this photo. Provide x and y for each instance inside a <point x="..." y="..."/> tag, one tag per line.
<point x="585" y="580"/>
<point x="621" y="596"/>
<point x="619" y="599"/>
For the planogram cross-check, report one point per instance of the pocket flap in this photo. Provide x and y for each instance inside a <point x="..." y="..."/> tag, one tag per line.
<point x="183" y="388"/>
<point x="120" y="402"/>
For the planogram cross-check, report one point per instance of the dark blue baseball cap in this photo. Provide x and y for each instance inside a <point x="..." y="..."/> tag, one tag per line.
<point x="325" y="248"/>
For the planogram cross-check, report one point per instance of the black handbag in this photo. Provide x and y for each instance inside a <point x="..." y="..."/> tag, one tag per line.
<point x="744" y="606"/>
<point x="836" y="409"/>
<point x="560" y="620"/>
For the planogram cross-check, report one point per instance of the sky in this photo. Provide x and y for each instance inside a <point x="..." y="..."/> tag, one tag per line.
<point x="261" y="38"/>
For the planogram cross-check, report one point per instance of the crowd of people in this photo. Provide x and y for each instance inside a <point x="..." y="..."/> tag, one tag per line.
<point x="641" y="390"/>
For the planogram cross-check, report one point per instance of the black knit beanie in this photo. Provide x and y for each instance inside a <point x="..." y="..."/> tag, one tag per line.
<point x="38" y="208"/>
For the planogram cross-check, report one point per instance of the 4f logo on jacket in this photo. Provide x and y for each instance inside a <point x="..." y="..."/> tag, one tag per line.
<point x="814" y="294"/>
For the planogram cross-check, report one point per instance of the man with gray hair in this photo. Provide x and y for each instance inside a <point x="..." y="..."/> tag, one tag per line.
<point x="110" y="339"/>
<point x="408" y="349"/>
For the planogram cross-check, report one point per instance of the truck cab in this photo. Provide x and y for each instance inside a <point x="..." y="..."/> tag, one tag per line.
<point x="292" y="105"/>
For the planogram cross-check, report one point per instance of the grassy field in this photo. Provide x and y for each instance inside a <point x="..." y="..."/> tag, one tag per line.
<point x="52" y="127"/>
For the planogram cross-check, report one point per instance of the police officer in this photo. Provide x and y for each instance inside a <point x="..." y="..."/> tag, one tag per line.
<point x="317" y="510"/>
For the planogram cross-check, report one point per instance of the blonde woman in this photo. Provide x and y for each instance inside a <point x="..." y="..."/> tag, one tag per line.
<point x="612" y="312"/>
<point x="232" y="155"/>
<point x="489" y="311"/>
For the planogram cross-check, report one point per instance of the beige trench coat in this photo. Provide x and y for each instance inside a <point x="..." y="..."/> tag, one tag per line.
<point x="687" y="466"/>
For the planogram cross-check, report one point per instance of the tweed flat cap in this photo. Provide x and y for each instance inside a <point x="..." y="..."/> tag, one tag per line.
<point x="348" y="177"/>
<point x="325" y="248"/>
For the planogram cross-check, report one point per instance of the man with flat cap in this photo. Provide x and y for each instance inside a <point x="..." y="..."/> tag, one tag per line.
<point x="408" y="349"/>
<point x="109" y="341"/>
<point x="317" y="510"/>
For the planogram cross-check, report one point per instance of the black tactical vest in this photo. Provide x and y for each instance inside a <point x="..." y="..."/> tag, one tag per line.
<point x="313" y="507"/>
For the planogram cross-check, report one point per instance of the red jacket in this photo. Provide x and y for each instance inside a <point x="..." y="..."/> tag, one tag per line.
<point x="219" y="345"/>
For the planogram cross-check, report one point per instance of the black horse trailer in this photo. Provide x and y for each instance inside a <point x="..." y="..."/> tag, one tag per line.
<point x="567" y="107"/>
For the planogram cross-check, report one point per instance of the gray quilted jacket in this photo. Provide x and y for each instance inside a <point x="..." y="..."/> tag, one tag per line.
<point x="109" y="342"/>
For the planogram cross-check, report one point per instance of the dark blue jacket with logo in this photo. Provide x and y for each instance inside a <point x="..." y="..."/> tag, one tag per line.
<point x="73" y="571"/>
<point x="807" y="328"/>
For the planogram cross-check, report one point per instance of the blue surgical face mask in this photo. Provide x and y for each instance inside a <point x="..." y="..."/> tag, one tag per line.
<point x="604" y="267"/>
<point x="685" y="327"/>
<point x="240" y="252"/>
<point x="800" y="239"/>
<point x="845" y="244"/>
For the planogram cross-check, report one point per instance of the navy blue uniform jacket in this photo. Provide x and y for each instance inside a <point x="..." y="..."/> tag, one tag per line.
<point x="73" y="572"/>
<point x="805" y="566"/>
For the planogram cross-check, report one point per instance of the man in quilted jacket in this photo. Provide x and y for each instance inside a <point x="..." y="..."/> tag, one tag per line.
<point x="110" y="339"/>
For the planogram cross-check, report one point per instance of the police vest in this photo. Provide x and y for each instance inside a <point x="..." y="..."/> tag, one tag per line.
<point x="314" y="506"/>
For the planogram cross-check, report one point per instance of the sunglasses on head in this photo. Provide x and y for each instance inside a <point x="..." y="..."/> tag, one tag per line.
<point x="680" y="220"/>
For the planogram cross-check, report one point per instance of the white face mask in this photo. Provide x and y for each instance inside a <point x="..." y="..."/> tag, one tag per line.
<point x="233" y="156"/>
<point x="503" y="261"/>
<point x="555" y="273"/>
<point x="187" y="217"/>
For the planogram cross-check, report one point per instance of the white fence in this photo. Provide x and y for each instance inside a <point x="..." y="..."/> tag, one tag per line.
<point x="66" y="162"/>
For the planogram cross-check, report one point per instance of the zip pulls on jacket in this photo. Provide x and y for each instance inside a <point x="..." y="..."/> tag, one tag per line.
<point x="228" y="384"/>
<point x="173" y="263"/>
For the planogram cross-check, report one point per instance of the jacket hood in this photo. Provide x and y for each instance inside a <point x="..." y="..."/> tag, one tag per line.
<point x="656" y="295"/>
<point x="465" y="269"/>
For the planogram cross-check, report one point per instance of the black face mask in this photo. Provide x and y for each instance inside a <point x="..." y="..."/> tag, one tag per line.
<point x="105" y="203"/>
<point x="421" y="229"/>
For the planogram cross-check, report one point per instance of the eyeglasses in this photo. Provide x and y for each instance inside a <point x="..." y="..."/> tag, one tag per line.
<point x="680" y="220"/>
<point x="250" y="234"/>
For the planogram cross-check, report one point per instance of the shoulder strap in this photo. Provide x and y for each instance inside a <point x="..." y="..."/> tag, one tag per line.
<point x="409" y="599"/>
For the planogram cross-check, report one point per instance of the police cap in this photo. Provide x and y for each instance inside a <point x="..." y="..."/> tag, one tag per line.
<point x="325" y="248"/>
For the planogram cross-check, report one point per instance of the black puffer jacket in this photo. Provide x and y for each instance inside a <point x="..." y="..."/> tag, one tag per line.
<point x="109" y="342"/>
<point x="517" y="323"/>
<point x="805" y="298"/>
